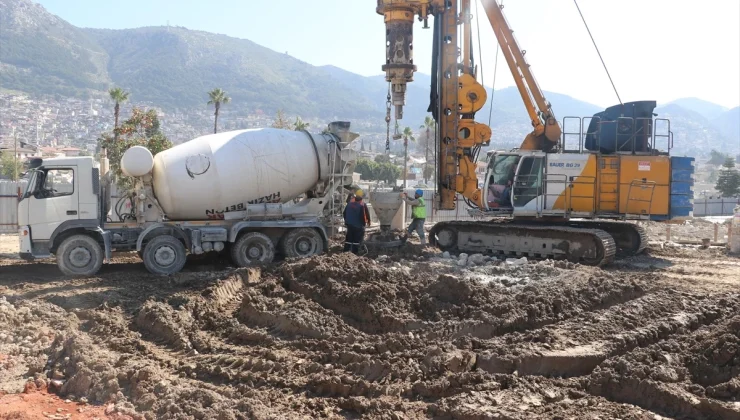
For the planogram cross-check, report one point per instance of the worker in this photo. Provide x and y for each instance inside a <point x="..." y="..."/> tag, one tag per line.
<point x="356" y="218"/>
<point x="418" y="215"/>
<point x="350" y="198"/>
<point x="504" y="200"/>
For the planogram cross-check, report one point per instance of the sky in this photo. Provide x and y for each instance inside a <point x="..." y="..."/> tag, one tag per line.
<point x="654" y="49"/>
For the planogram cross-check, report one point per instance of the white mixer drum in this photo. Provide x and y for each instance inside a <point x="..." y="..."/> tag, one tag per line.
<point x="221" y="172"/>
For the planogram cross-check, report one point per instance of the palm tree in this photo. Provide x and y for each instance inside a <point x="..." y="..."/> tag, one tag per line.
<point x="217" y="97"/>
<point x="407" y="135"/>
<point x="428" y="125"/>
<point x="299" y="124"/>
<point x="118" y="96"/>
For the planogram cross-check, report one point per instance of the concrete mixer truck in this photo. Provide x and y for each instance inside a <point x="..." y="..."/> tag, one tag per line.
<point x="255" y="193"/>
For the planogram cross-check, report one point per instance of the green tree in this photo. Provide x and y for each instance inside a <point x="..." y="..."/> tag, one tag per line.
<point x="382" y="158"/>
<point x="428" y="143"/>
<point x="374" y="171"/>
<point x="141" y="129"/>
<point x="118" y="96"/>
<point x="367" y="169"/>
<point x="216" y="98"/>
<point x="10" y="167"/>
<point x="717" y="158"/>
<point x="713" y="177"/>
<point x="388" y="172"/>
<point x="407" y="135"/>
<point x="428" y="172"/>
<point x="728" y="183"/>
<point x="300" y="125"/>
<point x="281" y="122"/>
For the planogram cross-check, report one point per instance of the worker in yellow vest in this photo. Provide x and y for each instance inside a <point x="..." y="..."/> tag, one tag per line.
<point x="418" y="215"/>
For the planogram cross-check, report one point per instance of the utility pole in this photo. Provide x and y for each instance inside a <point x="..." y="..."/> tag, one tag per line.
<point x="15" y="156"/>
<point x="405" y="159"/>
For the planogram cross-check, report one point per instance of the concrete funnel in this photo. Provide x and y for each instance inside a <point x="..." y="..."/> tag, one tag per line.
<point x="385" y="205"/>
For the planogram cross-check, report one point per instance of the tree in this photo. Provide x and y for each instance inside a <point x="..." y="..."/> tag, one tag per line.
<point x="300" y="125"/>
<point x="428" y="172"/>
<point x="713" y="177"/>
<point x="217" y="97"/>
<point x="118" y="96"/>
<point x="728" y="183"/>
<point x="367" y="169"/>
<point x="374" y="171"/>
<point x="428" y="125"/>
<point x="141" y="129"/>
<point x="281" y="122"/>
<point x="10" y="167"/>
<point x="407" y="135"/>
<point x="382" y="158"/>
<point x="717" y="158"/>
<point x="388" y="172"/>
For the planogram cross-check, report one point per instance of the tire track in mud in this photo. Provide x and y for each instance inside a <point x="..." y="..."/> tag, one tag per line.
<point x="574" y="347"/>
<point x="337" y="336"/>
<point x="693" y="375"/>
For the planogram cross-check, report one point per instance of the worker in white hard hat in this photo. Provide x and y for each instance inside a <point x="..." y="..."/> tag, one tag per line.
<point x="418" y="215"/>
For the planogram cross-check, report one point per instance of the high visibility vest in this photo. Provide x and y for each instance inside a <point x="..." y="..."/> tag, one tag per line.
<point x="420" y="211"/>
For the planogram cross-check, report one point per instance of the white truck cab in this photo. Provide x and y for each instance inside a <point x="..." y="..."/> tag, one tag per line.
<point x="60" y="211"/>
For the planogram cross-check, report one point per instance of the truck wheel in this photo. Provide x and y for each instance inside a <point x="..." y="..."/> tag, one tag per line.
<point x="302" y="243"/>
<point x="164" y="255"/>
<point x="79" y="255"/>
<point x="252" y="248"/>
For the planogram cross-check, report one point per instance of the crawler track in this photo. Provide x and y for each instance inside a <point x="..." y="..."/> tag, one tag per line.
<point x="590" y="246"/>
<point x="630" y="238"/>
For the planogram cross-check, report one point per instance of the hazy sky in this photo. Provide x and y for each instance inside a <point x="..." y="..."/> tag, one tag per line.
<point x="655" y="49"/>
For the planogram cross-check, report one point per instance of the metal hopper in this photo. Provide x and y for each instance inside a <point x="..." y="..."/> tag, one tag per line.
<point x="385" y="205"/>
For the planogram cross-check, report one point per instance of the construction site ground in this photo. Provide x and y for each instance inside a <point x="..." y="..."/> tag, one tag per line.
<point x="411" y="334"/>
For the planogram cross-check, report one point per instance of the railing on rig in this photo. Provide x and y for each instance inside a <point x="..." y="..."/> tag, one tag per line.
<point x="646" y="136"/>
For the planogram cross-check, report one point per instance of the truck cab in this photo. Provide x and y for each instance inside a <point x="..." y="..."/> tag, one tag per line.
<point x="61" y="201"/>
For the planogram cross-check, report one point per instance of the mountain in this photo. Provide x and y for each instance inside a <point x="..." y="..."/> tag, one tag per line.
<point x="44" y="54"/>
<point x="706" y="109"/>
<point x="509" y="119"/>
<point x="170" y="67"/>
<point x="375" y="88"/>
<point x="176" y="67"/>
<point x="694" y="134"/>
<point x="728" y="123"/>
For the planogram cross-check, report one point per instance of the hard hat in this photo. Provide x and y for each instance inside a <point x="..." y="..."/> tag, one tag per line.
<point x="419" y="192"/>
<point x="359" y="193"/>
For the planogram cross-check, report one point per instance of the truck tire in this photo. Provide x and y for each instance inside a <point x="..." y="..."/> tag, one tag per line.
<point x="164" y="255"/>
<point x="302" y="243"/>
<point x="79" y="255"/>
<point x="252" y="248"/>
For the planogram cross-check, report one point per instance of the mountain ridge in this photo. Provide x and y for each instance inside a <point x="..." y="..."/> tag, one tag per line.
<point x="174" y="67"/>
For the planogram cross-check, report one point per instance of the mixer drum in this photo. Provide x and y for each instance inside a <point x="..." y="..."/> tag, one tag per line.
<point x="222" y="172"/>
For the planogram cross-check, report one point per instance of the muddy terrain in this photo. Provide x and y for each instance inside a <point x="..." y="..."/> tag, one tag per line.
<point x="417" y="334"/>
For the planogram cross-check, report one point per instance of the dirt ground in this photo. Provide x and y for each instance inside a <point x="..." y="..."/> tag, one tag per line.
<point x="8" y="246"/>
<point x="416" y="334"/>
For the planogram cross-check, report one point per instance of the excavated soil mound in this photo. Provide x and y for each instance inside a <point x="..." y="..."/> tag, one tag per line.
<point x="341" y="336"/>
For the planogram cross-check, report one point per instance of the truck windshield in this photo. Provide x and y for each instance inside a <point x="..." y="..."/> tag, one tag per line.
<point x="31" y="183"/>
